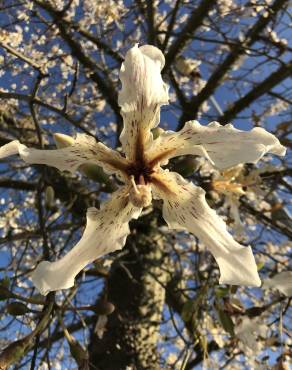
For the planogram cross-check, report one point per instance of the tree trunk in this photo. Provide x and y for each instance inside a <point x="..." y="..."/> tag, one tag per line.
<point x="136" y="288"/>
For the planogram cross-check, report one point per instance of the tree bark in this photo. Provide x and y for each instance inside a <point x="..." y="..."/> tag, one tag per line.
<point x="136" y="288"/>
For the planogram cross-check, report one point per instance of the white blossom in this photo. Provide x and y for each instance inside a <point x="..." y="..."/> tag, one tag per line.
<point x="282" y="282"/>
<point x="248" y="330"/>
<point x="184" y="206"/>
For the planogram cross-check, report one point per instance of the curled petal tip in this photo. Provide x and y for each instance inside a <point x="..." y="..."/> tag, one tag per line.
<point x="154" y="53"/>
<point x="271" y="142"/>
<point x="62" y="140"/>
<point x="251" y="281"/>
<point x="47" y="278"/>
<point x="280" y="150"/>
<point x="143" y="93"/>
<point x="225" y="146"/>
<point x="9" y="149"/>
<point x="185" y="208"/>
<point x="101" y="236"/>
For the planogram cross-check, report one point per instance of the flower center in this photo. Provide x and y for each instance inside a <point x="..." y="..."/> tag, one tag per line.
<point x="140" y="170"/>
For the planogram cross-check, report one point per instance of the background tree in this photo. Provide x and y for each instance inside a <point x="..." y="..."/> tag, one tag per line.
<point x="157" y="303"/>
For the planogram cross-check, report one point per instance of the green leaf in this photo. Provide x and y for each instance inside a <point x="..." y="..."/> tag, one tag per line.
<point x="5" y="293"/>
<point x="260" y="265"/>
<point x="5" y="282"/>
<point x="188" y="310"/>
<point x="226" y="321"/>
<point x="17" y="309"/>
<point x="221" y="292"/>
<point x="233" y="289"/>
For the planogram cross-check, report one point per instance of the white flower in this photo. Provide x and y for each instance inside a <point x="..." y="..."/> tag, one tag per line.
<point x="249" y="331"/>
<point x="231" y="183"/>
<point x="187" y="66"/>
<point x="184" y="205"/>
<point x="282" y="282"/>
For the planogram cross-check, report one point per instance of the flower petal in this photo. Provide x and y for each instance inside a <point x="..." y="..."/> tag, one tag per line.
<point x="238" y="226"/>
<point x="224" y="146"/>
<point x="282" y="282"/>
<point x="248" y="331"/>
<point x="9" y="149"/>
<point x="105" y="232"/>
<point x="84" y="150"/>
<point x="185" y="208"/>
<point x="143" y="92"/>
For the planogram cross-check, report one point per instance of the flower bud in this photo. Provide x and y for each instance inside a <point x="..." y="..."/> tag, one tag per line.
<point x="62" y="141"/>
<point x="156" y="132"/>
<point x="17" y="309"/>
<point x="186" y="166"/>
<point x="104" y="308"/>
<point x="97" y="174"/>
<point x="49" y="196"/>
